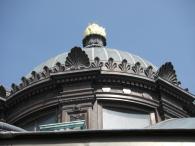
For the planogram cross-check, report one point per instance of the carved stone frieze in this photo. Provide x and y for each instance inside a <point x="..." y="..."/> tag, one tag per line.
<point x="73" y="63"/>
<point x="46" y="71"/>
<point x="15" y="87"/>
<point x="111" y="65"/>
<point x="167" y="72"/>
<point x="137" y="68"/>
<point x="96" y="63"/>
<point x="59" y="67"/>
<point x="149" y="71"/>
<point x="77" y="59"/>
<point x="2" y="91"/>
<point x="35" y="76"/>
<point x="25" y="81"/>
<point x="124" y="67"/>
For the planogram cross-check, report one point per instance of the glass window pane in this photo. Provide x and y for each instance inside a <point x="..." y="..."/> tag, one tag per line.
<point x="42" y="120"/>
<point x="29" y="126"/>
<point x="123" y="119"/>
<point x="47" y="119"/>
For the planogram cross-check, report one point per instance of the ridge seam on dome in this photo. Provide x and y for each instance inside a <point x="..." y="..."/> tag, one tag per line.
<point x="142" y="61"/>
<point x="106" y="53"/>
<point x="117" y="52"/>
<point x="131" y="57"/>
<point x="92" y="53"/>
<point x="55" y="59"/>
<point x="155" y="67"/>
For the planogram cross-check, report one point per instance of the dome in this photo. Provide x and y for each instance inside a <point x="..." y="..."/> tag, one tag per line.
<point x="103" y="53"/>
<point x="96" y="87"/>
<point x="94" y="45"/>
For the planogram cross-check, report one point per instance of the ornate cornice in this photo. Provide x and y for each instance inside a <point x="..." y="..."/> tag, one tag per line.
<point x="175" y="91"/>
<point x="78" y="61"/>
<point x="81" y="63"/>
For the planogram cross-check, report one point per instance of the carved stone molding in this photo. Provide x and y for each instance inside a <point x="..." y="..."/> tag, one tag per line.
<point x="124" y="67"/>
<point x="167" y="72"/>
<point x="96" y="63"/>
<point x="15" y="87"/>
<point x="149" y="71"/>
<point x="59" y="67"/>
<point x="137" y="68"/>
<point x="110" y="64"/>
<point x="77" y="59"/>
<point x="35" y="76"/>
<point x="25" y="81"/>
<point x="46" y="71"/>
<point x="2" y="91"/>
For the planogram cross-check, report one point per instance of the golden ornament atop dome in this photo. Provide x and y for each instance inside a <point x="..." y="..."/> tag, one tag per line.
<point x="94" y="29"/>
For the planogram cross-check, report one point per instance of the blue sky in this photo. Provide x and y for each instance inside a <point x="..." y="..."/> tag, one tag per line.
<point x="32" y="31"/>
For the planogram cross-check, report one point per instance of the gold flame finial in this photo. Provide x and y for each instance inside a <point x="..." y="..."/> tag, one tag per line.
<point x="94" y="28"/>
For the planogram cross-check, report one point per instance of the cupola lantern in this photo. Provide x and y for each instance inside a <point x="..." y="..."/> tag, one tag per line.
<point x="94" y="36"/>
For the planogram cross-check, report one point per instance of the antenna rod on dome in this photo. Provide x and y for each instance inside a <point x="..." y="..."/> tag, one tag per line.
<point x="94" y="36"/>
